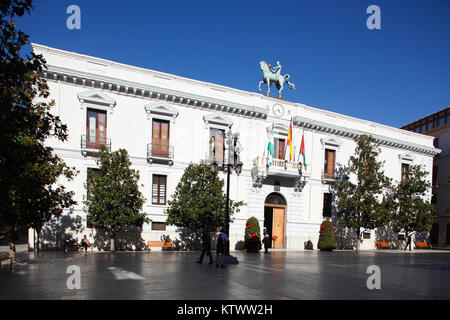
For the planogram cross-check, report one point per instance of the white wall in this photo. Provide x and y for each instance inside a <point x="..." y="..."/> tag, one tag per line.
<point x="129" y="127"/>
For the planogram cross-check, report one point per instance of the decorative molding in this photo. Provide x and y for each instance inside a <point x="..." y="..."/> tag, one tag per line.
<point x="96" y="97"/>
<point x="161" y="108"/>
<point x="140" y="90"/>
<point x="352" y="134"/>
<point x="406" y="158"/>
<point x="331" y="143"/>
<point x="217" y="118"/>
<point x="279" y="128"/>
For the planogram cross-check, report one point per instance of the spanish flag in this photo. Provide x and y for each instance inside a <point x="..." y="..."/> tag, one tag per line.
<point x="289" y="141"/>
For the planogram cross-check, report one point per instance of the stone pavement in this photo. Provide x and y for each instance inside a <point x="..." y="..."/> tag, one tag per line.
<point x="291" y="275"/>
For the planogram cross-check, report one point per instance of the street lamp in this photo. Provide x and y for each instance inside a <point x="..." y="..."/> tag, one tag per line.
<point x="233" y="162"/>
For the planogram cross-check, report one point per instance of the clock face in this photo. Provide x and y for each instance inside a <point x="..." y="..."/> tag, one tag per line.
<point x="278" y="110"/>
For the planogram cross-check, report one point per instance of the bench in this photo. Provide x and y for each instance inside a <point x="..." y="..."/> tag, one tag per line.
<point x="162" y="244"/>
<point x="382" y="245"/>
<point x="422" y="245"/>
<point x="70" y="244"/>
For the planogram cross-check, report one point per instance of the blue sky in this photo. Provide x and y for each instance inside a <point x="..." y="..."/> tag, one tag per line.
<point x="391" y="76"/>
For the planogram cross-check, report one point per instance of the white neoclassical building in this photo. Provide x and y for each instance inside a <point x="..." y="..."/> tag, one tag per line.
<point x="166" y="121"/>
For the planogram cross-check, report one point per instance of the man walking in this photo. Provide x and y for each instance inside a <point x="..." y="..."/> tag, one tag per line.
<point x="206" y="247"/>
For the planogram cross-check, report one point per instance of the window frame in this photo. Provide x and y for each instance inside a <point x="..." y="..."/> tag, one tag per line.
<point x="211" y="135"/>
<point x="326" y="165"/>
<point x="158" y="194"/>
<point x="97" y="143"/>
<point x="155" y="151"/>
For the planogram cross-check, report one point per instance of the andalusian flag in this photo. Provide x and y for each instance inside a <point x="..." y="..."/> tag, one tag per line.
<point x="302" y="150"/>
<point x="289" y="141"/>
<point x="270" y="148"/>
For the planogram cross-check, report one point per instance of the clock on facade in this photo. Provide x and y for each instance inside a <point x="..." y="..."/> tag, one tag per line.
<point x="278" y="110"/>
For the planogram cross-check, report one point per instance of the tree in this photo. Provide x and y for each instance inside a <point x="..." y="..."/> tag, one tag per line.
<point x="412" y="212"/>
<point x="114" y="201"/>
<point x="198" y="201"/>
<point x="29" y="170"/>
<point x="326" y="237"/>
<point x="360" y="205"/>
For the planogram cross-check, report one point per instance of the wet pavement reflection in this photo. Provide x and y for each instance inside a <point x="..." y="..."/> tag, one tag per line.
<point x="277" y="275"/>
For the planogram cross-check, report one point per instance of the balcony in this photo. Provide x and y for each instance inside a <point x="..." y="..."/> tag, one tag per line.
<point x="279" y="167"/>
<point x="160" y="153"/>
<point x="93" y="147"/>
<point x="328" y="178"/>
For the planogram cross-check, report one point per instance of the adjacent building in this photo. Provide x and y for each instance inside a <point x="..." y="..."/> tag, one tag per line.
<point x="438" y="125"/>
<point x="166" y="122"/>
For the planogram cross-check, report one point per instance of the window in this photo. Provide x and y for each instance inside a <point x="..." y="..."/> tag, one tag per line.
<point x="159" y="189"/>
<point x="217" y="145"/>
<point x="366" y="235"/>
<point x="435" y="176"/>
<point x="96" y="128"/>
<point x="328" y="167"/>
<point x="405" y="171"/>
<point x="160" y="138"/>
<point x="423" y="128"/>
<point x="280" y="145"/>
<point x="159" y="226"/>
<point x="326" y="212"/>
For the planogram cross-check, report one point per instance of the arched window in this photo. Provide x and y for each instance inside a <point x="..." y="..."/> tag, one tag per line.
<point x="276" y="199"/>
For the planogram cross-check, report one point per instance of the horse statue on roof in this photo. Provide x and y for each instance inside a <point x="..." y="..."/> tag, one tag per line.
<point x="274" y="76"/>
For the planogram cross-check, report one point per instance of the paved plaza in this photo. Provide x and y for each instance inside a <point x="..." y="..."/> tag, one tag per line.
<point x="278" y="275"/>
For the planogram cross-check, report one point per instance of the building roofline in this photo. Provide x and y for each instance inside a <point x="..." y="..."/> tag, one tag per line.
<point x="424" y="118"/>
<point x="123" y="86"/>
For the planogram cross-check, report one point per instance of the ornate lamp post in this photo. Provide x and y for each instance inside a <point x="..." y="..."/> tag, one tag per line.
<point x="232" y="162"/>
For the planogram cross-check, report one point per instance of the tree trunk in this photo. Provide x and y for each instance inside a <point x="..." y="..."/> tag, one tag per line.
<point x="358" y="239"/>
<point x="12" y="247"/>
<point x="112" y="247"/>
<point x="37" y="241"/>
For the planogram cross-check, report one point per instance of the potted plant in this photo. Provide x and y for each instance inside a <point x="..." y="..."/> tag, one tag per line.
<point x="326" y="237"/>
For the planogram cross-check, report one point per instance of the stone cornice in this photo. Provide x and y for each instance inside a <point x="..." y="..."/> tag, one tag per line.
<point x="139" y="90"/>
<point x="352" y="134"/>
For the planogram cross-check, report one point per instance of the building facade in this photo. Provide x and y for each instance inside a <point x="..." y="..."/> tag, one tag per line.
<point x="438" y="125"/>
<point x="166" y="122"/>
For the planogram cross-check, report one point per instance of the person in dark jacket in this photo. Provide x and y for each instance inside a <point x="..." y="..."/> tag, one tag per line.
<point x="266" y="242"/>
<point x="220" y="248"/>
<point x="206" y="247"/>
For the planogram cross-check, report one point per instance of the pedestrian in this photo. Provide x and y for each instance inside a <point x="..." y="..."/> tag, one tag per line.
<point x="12" y="254"/>
<point x="409" y="236"/>
<point x="220" y="248"/>
<point x="206" y="247"/>
<point x="85" y="243"/>
<point x="266" y="242"/>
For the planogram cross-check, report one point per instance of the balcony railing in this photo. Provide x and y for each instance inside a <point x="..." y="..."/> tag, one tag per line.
<point x="87" y="145"/>
<point x="278" y="166"/>
<point x="328" y="177"/>
<point x="160" y="152"/>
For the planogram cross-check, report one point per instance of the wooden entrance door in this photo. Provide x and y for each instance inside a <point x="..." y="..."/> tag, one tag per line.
<point x="278" y="227"/>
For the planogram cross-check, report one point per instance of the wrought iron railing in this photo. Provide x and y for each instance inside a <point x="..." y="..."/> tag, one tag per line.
<point x="160" y="151"/>
<point x="328" y="176"/>
<point x="95" y="145"/>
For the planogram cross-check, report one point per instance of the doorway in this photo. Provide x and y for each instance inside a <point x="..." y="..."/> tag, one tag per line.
<point x="274" y="219"/>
